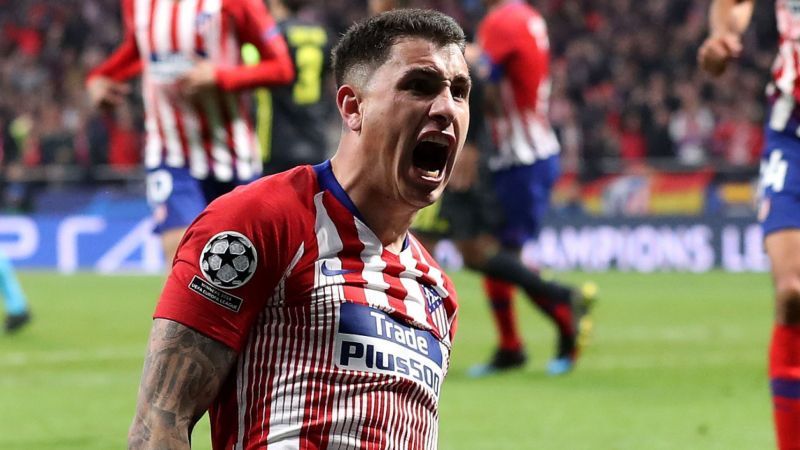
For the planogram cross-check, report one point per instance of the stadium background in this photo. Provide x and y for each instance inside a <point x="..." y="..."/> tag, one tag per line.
<point x="656" y="204"/>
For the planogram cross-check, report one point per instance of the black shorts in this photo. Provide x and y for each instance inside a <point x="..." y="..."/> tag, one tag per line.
<point x="461" y="215"/>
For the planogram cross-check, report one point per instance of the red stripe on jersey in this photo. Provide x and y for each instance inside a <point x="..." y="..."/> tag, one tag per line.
<point x="173" y="27"/>
<point x="199" y="40"/>
<point x="178" y="114"/>
<point x="391" y="275"/>
<point x="225" y="28"/>
<point x="796" y="64"/>
<point x="151" y="43"/>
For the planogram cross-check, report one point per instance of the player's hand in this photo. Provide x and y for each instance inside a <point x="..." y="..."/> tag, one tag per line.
<point x="717" y="50"/>
<point x="201" y="78"/>
<point x="106" y="93"/>
<point x="465" y="170"/>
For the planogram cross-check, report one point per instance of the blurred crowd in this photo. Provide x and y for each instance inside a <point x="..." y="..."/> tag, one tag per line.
<point x="627" y="94"/>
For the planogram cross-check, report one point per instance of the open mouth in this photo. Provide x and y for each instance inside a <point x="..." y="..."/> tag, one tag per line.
<point x="430" y="156"/>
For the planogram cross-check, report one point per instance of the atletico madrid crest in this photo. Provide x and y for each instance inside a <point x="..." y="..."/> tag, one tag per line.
<point x="228" y="260"/>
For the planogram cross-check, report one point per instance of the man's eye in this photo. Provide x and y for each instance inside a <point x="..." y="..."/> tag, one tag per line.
<point x="461" y="92"/>
<point x="420" y="87"/>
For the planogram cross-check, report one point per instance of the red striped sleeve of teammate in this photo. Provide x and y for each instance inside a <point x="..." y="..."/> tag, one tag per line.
<point x="254" y="24"/>
<point x="125" y="62"/>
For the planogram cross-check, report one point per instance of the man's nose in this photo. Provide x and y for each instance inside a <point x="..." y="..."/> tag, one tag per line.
<point x="443" y="109"/>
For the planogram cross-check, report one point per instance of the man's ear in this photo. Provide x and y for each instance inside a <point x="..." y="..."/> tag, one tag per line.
<point x="349" y="104"/>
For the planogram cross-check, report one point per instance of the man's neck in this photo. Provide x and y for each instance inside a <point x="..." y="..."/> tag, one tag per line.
<point x="387" y="220"/>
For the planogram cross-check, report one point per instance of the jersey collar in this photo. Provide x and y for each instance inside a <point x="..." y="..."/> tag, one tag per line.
<point x="327" y="181"/>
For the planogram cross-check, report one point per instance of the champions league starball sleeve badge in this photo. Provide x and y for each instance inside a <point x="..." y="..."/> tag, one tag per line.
<point x="228" y="260"/>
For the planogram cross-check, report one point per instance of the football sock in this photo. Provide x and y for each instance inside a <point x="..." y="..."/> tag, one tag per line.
<point x="784" y="374"/>
<point x="553" y="299"/>
<point x="9" y="286"/>
<point x="501" y="295"/>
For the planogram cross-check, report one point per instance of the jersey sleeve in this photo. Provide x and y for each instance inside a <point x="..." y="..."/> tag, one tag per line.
<point x="256" y="26"/>
<point x="226" y="268"/>
<point x="125" y="62"/>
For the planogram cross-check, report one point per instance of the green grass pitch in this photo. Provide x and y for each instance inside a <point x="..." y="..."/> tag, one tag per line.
<point x="677" y="361"/>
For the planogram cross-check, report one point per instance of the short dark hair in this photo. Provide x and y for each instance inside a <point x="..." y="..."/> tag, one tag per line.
<point x="367" y="44"/>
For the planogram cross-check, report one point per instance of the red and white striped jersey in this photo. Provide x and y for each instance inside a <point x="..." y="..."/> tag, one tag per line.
<point x="514" y="38"/>
<point x="342" y="343"/>
<point x="784" y="90"/>
<point x="164" y="39"/>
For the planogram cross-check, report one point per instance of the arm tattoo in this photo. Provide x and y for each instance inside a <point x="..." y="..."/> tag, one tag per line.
<point x="183" y="371"/>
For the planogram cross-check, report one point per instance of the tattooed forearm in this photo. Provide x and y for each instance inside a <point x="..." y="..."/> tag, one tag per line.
<point x="183" y="371"/>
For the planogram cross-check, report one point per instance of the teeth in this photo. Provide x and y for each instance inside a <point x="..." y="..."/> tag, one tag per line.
<point x="432" y="173"/>
<point x="436" y="139"/>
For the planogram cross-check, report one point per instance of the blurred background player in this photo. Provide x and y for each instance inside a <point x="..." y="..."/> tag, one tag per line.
<point x="496" y="201"/>
<point x="779" y="208"/>
<point x="17" y="312"/>
<point x="199" y="141"/>
<point x="292" y="120"/>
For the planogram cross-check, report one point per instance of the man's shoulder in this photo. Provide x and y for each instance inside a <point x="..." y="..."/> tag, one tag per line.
<point x="498" y="25"/>
<point x="284" y="193"/>
<point x="510" y="16"/>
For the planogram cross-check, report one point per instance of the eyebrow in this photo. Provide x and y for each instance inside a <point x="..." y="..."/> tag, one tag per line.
<point x="430" y="72"/>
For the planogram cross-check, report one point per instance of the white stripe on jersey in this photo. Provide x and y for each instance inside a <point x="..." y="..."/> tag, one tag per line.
<point x="141" y="19"/>
<point x="187" y="21"/>
<point x="161" y="27"/>
<point x="373" y="268"/>
<point x="787" y="54"/>
<point x="169" y="127"/>
<point x="415" y="300"/>
<point x="781" y="112"/>
<point x="213" y="37"/>
<point x="198" y="161"/>
<point x="279" y="296"/>
<point x="220" y="154"/>
<point x="153" y="145"/>
<point x="329" y="245"/>
<point x="242" y="140"/>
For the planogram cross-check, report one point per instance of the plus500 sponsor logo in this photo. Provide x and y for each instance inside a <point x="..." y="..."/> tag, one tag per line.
<point x="372" y="341"/>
